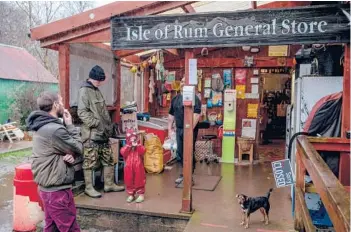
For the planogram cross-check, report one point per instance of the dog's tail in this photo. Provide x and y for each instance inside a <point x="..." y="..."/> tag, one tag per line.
<point x="269" y="193"/>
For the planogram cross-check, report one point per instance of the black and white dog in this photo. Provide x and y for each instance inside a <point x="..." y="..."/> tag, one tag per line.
<point x="251" y="204"/>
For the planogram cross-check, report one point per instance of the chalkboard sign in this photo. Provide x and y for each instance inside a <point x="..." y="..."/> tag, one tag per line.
<point x="282" y="172"/>
<point x="299" y="25"/>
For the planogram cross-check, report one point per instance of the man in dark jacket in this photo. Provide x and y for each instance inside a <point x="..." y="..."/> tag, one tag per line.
<point x="176" y="114"/>
<point x="96" y="130"/>
<point x="54" y="150"/>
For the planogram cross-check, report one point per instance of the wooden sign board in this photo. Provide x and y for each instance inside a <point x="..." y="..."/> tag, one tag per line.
<point x="299" y="25"/>
<point x="282" y="50"/>
<point x="129" y="121"/>
<point x="282" y="172"/>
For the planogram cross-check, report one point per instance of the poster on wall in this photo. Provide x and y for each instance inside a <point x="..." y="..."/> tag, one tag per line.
<point x="207" y="83"/>
<point x="207" y="93"/>
<point x="217" y="98"/>
<point x="240" y="91"/>
<point x="227" y="77"/>
<point x="240" y="76"/>
<point x="254" y="88"/>
<point x="281" y="50"/>
<point x="171" y="76"/>
<point x="252" y="110"/>
<point x="248" y="128"/>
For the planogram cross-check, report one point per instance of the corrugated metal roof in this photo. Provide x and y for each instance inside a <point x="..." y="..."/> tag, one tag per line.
<point x="17" y="64"/>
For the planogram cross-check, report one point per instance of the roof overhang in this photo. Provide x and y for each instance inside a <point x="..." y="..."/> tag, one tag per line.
<point x="93" y="26"/>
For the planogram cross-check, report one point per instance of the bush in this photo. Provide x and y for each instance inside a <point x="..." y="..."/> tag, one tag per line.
<point x="24" y="102"/>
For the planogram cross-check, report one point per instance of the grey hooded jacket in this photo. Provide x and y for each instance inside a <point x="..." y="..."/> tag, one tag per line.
<point x="51" y="142"/>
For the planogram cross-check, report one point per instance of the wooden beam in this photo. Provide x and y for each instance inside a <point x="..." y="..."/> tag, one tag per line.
<point x="131" y="59"/>
<point x="102" y="36"/>
<point x="87" y="17"/>
<point x="173" y="51"/>
<point x="124" y="53"/>
<point x="64" y="73"/>
<point x="188" y="9"/>
<point x="303" y="211"/>
<point x="334" y="196"/>
<point x="260" y="62"/>
<point x="80" y="25"/>
<point x="187" y="206"/>
<point x="284" y="4"/>
<point x="330" y="144"/>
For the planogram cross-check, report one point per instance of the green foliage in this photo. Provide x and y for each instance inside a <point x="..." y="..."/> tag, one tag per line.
<point x="24" y="101"/>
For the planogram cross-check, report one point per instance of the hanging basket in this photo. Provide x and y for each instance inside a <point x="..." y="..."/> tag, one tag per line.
<point x="245" y="143"/>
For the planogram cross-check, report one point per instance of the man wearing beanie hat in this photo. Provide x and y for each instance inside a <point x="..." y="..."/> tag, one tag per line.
<point x="96" y="130"/>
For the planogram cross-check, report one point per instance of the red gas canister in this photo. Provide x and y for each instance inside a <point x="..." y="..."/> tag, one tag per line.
<point x="27" y="210"/>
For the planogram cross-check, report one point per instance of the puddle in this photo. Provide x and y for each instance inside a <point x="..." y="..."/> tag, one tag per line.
<point x="7" y="168"/>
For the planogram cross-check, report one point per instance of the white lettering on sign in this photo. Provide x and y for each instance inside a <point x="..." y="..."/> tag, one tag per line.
<point x="282" y="173"/>
<point x="221" y="29"/>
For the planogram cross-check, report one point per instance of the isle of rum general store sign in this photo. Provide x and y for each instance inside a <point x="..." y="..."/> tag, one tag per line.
<point x="317" y="24"/>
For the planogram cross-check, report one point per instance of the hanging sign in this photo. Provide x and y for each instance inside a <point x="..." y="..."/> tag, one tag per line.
<point x="298" y="25"/>
<point x="282" y="172"/>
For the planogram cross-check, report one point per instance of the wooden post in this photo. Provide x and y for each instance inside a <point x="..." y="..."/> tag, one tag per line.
<point x="64" y="73"/>
<point x="117" y="115"/>
<point x="254" y="4"/>
<point x="344" y="165"/>
<point x="346" y="93"/>
<point x="187" y="146"/>
<point x="300" y="185"/>
<point x="146" y="89"/>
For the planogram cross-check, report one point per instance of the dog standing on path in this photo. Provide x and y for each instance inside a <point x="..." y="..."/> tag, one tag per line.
<point x="251" y="204"/>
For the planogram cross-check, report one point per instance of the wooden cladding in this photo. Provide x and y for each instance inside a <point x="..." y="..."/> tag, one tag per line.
<point x="318" y="24"/>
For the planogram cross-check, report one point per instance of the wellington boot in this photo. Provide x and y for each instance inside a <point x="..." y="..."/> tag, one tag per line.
<point x="89" y="189"/>
<point x="109" y="185"/>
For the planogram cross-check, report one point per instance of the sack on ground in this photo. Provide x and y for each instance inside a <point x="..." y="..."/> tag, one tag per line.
<point x="153" y="159"/>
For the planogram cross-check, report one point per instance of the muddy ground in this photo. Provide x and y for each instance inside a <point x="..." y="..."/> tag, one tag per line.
<point x="7" y="168"/>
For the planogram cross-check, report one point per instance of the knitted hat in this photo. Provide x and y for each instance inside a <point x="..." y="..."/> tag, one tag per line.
<point x="97" y="73"/>
<point x="131" y="136"/>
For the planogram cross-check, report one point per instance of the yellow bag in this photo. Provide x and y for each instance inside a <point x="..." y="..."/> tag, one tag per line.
<point x="153" y="159"/>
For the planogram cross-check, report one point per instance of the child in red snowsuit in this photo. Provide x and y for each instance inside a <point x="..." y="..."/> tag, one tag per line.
<point x="134" y="172"/>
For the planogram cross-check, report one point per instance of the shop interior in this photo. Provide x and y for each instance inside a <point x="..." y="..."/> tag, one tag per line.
<point x="260" y="75"/>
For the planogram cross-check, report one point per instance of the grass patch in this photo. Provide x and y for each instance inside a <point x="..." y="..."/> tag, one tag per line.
<point x="16" y="154"/>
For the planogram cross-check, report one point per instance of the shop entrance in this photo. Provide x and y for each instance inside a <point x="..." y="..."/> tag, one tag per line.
<point x="217" y="41"/>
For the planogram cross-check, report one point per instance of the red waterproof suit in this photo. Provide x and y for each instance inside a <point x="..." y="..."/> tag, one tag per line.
<point x="134" y="172"/>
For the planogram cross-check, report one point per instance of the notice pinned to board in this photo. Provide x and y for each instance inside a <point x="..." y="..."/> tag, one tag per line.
<point x="252" y="110"/>
<point x="240" y="91"/>
<point x="248" y="128"/>
<point x="192" y="71"/>
<point x="282" y="172"/>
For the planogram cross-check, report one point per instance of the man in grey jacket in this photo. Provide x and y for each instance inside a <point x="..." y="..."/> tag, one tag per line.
<point x="55" y="147"/>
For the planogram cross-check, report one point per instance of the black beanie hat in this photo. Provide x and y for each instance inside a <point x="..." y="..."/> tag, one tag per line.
<point x="97" y="73"/>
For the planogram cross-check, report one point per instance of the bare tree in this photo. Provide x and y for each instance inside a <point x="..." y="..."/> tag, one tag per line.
<point x="18" y="17"/>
